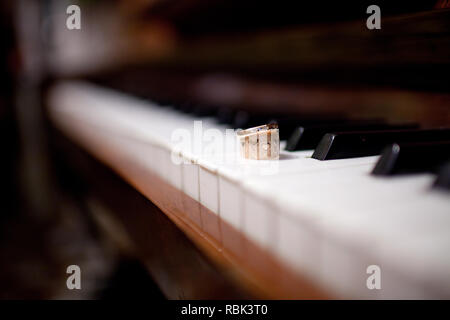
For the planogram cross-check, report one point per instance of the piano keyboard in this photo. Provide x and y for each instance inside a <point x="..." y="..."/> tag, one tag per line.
<point x="327" y="220"/>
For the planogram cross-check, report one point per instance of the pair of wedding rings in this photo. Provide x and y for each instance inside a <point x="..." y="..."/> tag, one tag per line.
<point x="260" y="143"/>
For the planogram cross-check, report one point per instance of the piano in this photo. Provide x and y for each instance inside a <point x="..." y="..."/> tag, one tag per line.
<point x="362" y="181"/>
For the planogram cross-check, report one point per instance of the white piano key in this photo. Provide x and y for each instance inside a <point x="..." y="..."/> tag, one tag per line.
<point x="209" y="188"/>
<point x="162" y="156"/>
<point x="395" y="285"/>
<point x="260" y="221"/>
<point x="191" y="179"/>
<point x="298" y="245"/>
<point x="343" y="270"/>
<point x="191" y="187"/>
<point x="231" y="202"/>
<point x="424" y="259"/>
<point x="175" y="167"/>
<point x="209" y="198"/>
<point x="231" y="206"/>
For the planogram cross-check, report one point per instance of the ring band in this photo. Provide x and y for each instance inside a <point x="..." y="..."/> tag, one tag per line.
<point x="260" y="143"/>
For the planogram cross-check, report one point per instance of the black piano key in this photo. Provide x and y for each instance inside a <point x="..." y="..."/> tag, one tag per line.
<point x="225" y="115"/>
<point x="286" y="123"/>
<point x="161" y="102"/>
<point x="243" y="120"/>
<point x="204" y="111"/>
<point x="400" y="158"/>
<point x="308" y="137"/>
<point x="186" y="107"/>
<point x="343" y="145"/>
<point x="443" y="179"/>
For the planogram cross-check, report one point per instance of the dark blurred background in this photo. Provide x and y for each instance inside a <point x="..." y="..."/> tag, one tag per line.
<point x="317" y="56"/>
